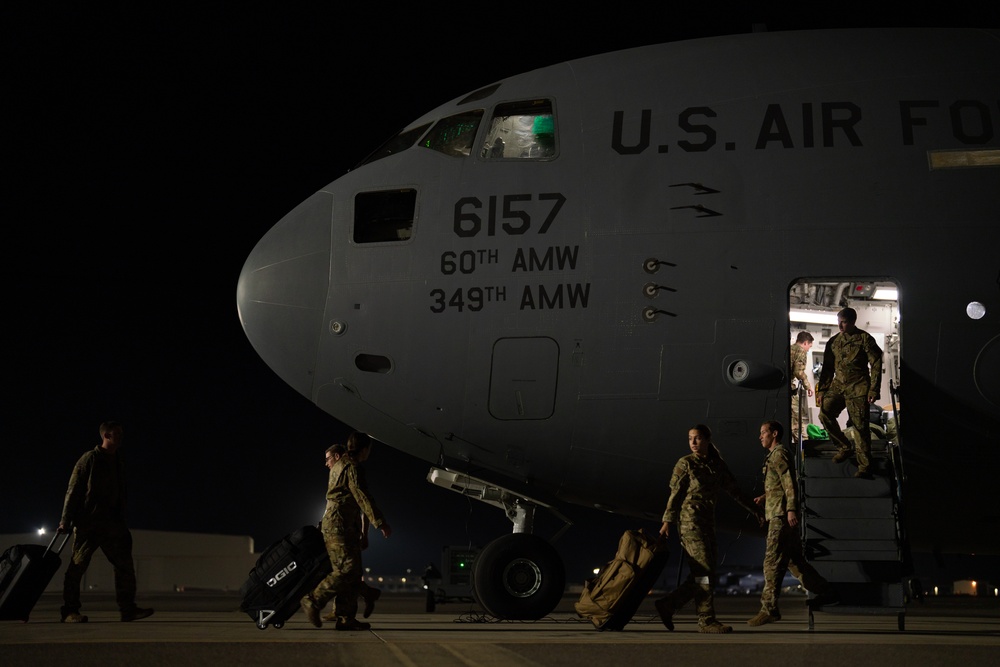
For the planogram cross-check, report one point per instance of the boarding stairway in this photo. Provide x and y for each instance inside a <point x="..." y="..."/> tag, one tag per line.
<point x="852" y="528"/>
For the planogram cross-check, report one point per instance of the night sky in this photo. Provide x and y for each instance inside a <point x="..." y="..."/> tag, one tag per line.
<point x="146" y="152"/>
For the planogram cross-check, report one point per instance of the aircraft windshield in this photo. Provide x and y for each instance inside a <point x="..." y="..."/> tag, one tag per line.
<point x="521" y="130"/>
<point x="454" y="135"/>
<point x="397" y="143"/>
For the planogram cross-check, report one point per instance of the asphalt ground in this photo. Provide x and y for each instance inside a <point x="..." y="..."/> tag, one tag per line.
<point x="206" y="628"/>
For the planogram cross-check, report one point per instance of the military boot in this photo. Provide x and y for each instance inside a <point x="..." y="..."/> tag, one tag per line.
<point x="763" y="618"/>
<point x="312" y="611"/>
<point x="74" y="617"/>
<point x="842" y="455"/>
<point x="373" y="595"/>
<point x="352" y="624"/>
<point x="713" y="627"/>
<point x="135" y="613"/>
<point x="666" y="612"/>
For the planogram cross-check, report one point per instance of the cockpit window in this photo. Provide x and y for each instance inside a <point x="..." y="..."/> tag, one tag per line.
<point x="454" y="135"/>
<point x="480" y="94"/>
<point x="521" y="130"/>
<point x="398" y="143"/>
<point x="380" y="217"/>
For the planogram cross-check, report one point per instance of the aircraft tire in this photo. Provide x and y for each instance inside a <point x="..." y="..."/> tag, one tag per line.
<point x="519" y="577"/>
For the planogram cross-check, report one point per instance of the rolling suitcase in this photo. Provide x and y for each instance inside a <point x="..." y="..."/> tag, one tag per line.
<point x="25" y="571"/>
<point x="611" y="598"/>
<point x="287" y="570"/>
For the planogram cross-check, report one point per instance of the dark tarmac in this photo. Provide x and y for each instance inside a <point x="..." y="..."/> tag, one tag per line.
<point x="202" y="628"/>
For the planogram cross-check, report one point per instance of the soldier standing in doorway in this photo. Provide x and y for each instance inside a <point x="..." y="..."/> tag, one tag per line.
<point x="798" y="357"/>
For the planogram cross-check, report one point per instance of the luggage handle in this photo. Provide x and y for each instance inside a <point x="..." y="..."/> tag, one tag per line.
<point x="58" y="551"/>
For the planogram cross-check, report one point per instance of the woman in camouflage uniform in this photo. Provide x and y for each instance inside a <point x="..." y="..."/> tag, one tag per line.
<point x="694" y="487"/>
<point x="346" y="498"/>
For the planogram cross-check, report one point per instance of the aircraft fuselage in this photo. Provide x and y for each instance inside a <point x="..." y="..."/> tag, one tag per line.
<point x="555" y="322"/>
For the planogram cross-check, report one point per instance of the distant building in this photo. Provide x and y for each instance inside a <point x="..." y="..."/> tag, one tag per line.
<point x="164" y="561"/>
<point x="970" y="587"/>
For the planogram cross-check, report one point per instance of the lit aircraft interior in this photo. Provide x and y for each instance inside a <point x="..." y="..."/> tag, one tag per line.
<point x="538" y="287"/>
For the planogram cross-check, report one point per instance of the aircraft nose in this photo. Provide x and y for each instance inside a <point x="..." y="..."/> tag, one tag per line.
<point x="282" y="290"/>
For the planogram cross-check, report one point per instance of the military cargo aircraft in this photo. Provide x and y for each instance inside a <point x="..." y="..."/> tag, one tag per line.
<point x="539" y="286"/>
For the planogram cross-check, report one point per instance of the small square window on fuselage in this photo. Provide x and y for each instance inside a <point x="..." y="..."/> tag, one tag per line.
<point x="381" y="217"/>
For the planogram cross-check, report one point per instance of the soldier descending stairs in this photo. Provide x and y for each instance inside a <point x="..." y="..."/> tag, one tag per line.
<point x="853" y="526"/>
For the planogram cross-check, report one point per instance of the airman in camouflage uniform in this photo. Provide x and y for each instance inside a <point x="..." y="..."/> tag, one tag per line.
<point x="798" y="357"/>
<point x="347" y="497"/>
<point x="846" y="381"/>
<point x="95" y="510"/>
<point x="784" y="547"/>
<point x="694" y="487"/>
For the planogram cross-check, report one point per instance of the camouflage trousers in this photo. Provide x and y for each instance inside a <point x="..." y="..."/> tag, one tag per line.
<point x="343" y="584"/>
<point x="783" y="554"/>
<point x="798" y="424"/>
<point x="834" y="402"/>
<point x="698" y="542"/>
<point x="115" y="540"/>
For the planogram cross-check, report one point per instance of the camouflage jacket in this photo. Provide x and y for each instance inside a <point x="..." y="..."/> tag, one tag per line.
<point x="347" y="496"/>
<point x="846" y="363"/>
<point x="780" y="491"/>
<point x="96" y="490"/>
<point x="797" y="361"/>
<point x="695" y="486"/>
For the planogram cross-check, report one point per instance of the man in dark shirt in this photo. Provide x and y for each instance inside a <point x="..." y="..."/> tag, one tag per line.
<point x="95" y="510"/>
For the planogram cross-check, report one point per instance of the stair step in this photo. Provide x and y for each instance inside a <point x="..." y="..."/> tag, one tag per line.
<point x="827" y="468"/>
<point x="851" y="529"/>
<point x="827" y="448"/>
<point x="852" y="550"/>
<point x="847" y="508"/>
<point x="860" y="571"/>
<point x="871" y="595"/>
<point x="848" y="487"/>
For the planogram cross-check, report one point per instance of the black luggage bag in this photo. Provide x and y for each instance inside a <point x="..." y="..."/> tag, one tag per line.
<point x="289" y="569"/>
<point x="25" y="572"/>
<point x="611" y="599"/>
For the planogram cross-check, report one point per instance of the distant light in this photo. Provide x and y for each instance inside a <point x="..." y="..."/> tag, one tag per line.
<point x="380" y="580"/>
<point x="886" y="293"/>
<point x="41" y="531"/>
<point x="935" y="590"/>
<point x="813" y="316"/>
<point x="597" y="570"/>
<point x="975" y="310"/>
<point x="403" y="580"/>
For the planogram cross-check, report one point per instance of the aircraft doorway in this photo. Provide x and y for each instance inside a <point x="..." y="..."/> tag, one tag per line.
<point x="813" y="308"/>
